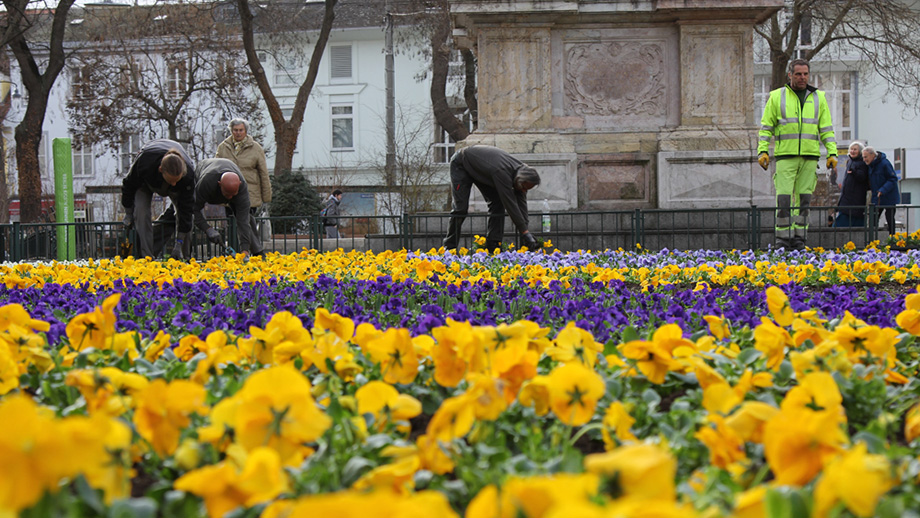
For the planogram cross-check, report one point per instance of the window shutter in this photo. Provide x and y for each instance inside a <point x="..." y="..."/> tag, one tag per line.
<point x="340" y="56"/>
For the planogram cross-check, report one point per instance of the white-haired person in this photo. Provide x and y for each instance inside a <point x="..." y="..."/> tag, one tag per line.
<point x="851" y="209"/>
<point x="249" y="157"/>
<point x="503" y="181"/>
<point x="884" y="184"/>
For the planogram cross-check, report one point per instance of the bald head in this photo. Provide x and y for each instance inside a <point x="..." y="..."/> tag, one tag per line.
<point x="229" y="184"/>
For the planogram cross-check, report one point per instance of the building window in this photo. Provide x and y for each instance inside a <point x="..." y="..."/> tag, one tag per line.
<point x="288" y="71"/>
<point x="80" y="82"/>
<point x="127" y="150"/>
<point x="176" y="78"/>
<point x="343" y="135"/>
<point x="444" y="145"/>
<point x="340" y="62"/>
<point x="83" y="158"/>
<point x="838" y="88"/>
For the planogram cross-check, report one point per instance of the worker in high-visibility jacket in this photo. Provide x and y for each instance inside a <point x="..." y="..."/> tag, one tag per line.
<point x="798" y="120"/>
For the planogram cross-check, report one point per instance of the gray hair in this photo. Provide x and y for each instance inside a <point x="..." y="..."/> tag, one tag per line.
<point x="236" y="121"/>
<point x="798" y="62"/>
<point x="870" y="150"/>
<point x="525" y="173"/>
<point x="857" y="144"/>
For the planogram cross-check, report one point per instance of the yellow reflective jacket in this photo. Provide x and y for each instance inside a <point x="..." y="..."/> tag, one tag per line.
<point x="796" y="128"/>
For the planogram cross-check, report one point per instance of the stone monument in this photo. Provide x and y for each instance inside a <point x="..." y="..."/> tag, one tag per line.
<point x="622" y="104"/>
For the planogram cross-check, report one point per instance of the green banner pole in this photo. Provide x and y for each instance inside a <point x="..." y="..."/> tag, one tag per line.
<point x="63" y="199"/>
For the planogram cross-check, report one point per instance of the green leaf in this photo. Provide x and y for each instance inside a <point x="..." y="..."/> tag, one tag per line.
<point x="133" y="508"/>
<point x="748" y="356"/>
<point x="354" y="468"/>
<point x="651" y="397"/>
<point x="88" y="495"/>
<point x="874" y="443"/>
<point x="630" y="334"/>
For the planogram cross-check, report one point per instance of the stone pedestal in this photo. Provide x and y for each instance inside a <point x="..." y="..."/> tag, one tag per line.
<point x="621" y="104"/>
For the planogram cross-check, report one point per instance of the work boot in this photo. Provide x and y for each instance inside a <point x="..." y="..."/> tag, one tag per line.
<point x="492" y="244"/>
<point x="798" y="243"/>
<point x="785" y="242"/>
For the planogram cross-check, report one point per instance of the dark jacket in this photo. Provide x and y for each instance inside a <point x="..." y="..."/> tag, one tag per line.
<point x="208" y="191"/>
<point x="492" y="167"/>
<point x="883" y="181"/>
<point x="145" y="172"/>
<point x="331" y="212"/>
<point x="855" y="187"/>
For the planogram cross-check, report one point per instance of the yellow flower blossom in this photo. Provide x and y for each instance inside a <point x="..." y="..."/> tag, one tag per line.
<point x="856" y="478"/>
<point x="574" y="391"/>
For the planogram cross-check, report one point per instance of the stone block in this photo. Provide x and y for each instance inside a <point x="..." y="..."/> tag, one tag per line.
<point x="716" y="71"/>
<point x="712" y="179"/>
<point x="616" y="181"/>
<point x="517" y="97"/>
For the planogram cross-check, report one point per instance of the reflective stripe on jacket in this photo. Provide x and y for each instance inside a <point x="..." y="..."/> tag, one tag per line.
<point x="796" y="128"/>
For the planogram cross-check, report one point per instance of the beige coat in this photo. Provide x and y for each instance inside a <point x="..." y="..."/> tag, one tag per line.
<point x="251" y="161"/>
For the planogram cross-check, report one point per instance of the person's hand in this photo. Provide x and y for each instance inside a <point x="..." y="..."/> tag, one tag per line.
<point x="129" y="219"/>
<point x="764" y="161"/>
<point x="531" y="242"/>
<point x="213" y="235"/>
<point x="177" y="248"/>
<point x="831" y="162"/>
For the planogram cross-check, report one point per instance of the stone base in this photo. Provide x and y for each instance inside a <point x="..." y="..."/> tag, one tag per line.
<point x="712" y="179"/>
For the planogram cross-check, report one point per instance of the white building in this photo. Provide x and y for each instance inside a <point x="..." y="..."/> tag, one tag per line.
<point x="862" y="107"/>
<point x="342" y="143"/>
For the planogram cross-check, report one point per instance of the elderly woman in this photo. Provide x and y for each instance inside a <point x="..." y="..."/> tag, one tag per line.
<point x="163" y="167"/>
<point x="249" y="156"/>
<point x="884" y="184"/>
<point x="851" y="210"/>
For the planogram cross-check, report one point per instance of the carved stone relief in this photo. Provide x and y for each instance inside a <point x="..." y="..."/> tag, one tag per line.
<point x="616" y="78"/>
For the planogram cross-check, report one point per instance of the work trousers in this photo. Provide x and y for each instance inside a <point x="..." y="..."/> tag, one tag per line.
<point x="150" y="244"/>
<point x="461" y="184"/>
<point x="795" y="180"/>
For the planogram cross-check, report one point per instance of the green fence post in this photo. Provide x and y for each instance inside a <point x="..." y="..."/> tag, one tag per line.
<point x="405" y="231"/>
<point x="16" y="242"/>
<point x="63" y="199"/>
<point x="232" y="235"/>
<point x="317" y="228"/>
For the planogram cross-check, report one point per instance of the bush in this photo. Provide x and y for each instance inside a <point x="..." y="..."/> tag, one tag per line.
<point x="293" y="196"/>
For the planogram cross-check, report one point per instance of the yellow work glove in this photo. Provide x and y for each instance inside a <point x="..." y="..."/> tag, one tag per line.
<point x="764" y="161"/>
<point x="831" y="162"/>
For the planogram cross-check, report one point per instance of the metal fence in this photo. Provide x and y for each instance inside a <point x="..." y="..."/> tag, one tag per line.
<point x="652" y="229"/>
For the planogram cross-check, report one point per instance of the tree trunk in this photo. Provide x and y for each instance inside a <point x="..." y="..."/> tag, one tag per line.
<point x="285" y="143"/>
<point x="469" y="88"/>
<point x="440" y="64"/>
<point x="30" y="184"/>
<point x="286" y="132"/>
<point x="38" y="85"/>
<point x="778" y="77"/>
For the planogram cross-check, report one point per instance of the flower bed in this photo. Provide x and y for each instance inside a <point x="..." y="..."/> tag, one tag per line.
<point x="515" y="384"/>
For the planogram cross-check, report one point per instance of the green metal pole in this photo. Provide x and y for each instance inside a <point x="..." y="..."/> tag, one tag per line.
<point x="63" y="199"/>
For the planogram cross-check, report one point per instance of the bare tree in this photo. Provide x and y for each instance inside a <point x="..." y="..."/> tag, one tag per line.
<point x="276" y="17"/>
<point x="419" y="186"/>
<point x="438" y="27"/>
<point x="155" y="69"/>
<point x="30" y="29"/>
<point x="886" y="34"/>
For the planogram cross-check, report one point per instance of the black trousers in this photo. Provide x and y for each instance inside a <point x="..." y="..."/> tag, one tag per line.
<point x="889" y="218"/>
<point x="461" y="184"/>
